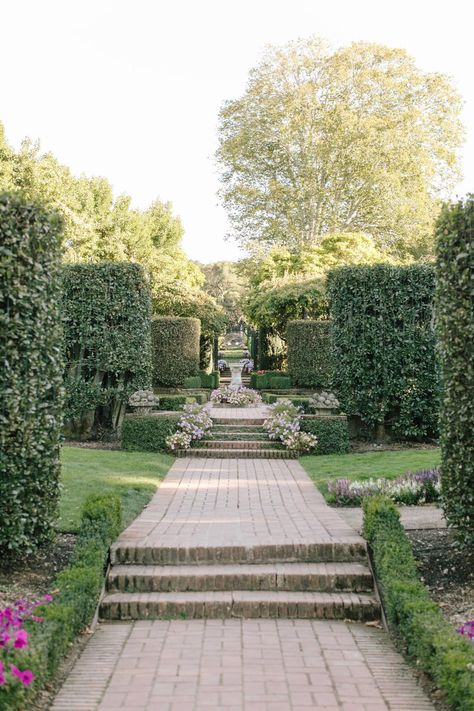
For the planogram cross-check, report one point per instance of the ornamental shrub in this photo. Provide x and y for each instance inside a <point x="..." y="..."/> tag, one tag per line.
<point x="309" y="353"/>
<point x="175" y="350"/>
<point x="429" y="639"/>
<point x="148" y="433"/>
<point x="384" y="344"/>
<point x="455" y="321"/>
<point x="192" y="382"/>
<point x="31" y="369"/>
<point x="107" y="343"/>
<point x="332" y="433"/>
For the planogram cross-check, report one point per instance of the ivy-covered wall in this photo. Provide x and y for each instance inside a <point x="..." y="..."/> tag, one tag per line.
<point x="309" y="353"/>
<point x="176" y="350"/>
<point x="107" y="343"/>
<point x="455" y="320"/>
<point x="30" y="373"/>
<point x="384" y="342"/>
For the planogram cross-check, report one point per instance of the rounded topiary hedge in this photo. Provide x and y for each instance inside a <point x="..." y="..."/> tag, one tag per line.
<point x="455" y="320"/>
<point x="175" y="350"/>
<point x="30" y="373"/>
<point x="309" y="353"/>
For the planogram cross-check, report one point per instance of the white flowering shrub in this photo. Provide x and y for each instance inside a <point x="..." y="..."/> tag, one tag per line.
<point x="193" y="424"/>
<point x="284" y="425"/>
<point x="236" y="396"/>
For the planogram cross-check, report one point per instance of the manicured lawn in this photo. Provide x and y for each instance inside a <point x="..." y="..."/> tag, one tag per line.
<point x="368" y="465"/>
<point x="135" y="476"/>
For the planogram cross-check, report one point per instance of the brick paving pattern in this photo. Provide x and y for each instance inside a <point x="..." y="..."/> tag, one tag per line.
<point x="249" y="538"/>
<point x="251" y="665"/>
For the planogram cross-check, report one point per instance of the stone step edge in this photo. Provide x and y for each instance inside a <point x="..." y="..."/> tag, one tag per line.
<point x="242" y="422"/>
<point x="217" y="453"/>
<point x="315" y="577"/>
<point x="337" y="551"/>
<point x="241" y="604"/>
<point x="239" y="444"/>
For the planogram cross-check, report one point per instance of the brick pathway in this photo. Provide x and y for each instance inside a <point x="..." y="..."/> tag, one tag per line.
<point x="249" y="665"/>
<point x="209" y="518"/>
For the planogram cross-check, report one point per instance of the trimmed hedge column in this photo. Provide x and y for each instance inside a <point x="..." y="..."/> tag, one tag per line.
<point x="107" y="309"/>
<point x="384" y="347"/>
<point x="309" y="353"/>
<point x="176" y="351"/>
<point x="455" y="318"/>
<point x="31" y="370"/>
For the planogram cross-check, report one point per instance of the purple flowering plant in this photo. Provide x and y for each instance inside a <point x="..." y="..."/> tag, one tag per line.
<point x="467" y="630"/>
<point x="14" y="637"/>
<point x="413" y="488"/>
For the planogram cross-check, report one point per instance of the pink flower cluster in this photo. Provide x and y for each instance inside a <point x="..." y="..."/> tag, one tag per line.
<point x="13" y="637"/>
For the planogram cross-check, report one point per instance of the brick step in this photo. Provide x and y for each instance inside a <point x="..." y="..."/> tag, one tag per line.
<point x="338" y="550"/>
<point x="240" y="604"/>
<point x="240" y="421"/>
<point x="237" y="436"/>
<point x="228" y="453"/>
<point x="294" y="577"/>
<point x="239" y="444"/>
<point x="240" y="428"/>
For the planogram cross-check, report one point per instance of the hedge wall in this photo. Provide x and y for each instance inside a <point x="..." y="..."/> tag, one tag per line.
<point x="332" y="434"/>
<point x="107" y="309"/>
<point x="30" y="374"/>
<point x="78" y="588"/>
<point x="147" y="433"/>
<point x="175" y="350"/>
<point x="309" y="353"/>
<point x="429" y="639"/>
<point x="455" y="317"/>
<point x="383" y="342"/>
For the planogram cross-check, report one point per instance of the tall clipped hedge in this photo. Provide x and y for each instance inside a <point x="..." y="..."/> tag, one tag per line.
<point x="176" y="352"/>
<point x="455" y="320"/>
<point x="107" y="344"/>
<point x="383" y="341"/>
<point x="30" y="373"/>
<point x="309" y="353"/>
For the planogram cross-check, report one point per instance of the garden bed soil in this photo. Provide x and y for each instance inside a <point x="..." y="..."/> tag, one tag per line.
<point x="362" y="446"/>
<point x="92" y="444"/>
<point x="447" y="570"/>
<point x="35" y="575"/>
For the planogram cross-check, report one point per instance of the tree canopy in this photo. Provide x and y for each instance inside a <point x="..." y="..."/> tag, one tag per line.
<point x="353" y="140"/>
<point x="227" y="286"/>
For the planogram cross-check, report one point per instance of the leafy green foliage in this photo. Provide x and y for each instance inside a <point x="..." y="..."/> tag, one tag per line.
<point x="175" y="350"/>
<point x="31" y="373"/>
<point x="224" y="283"/>
<point x="272" y="304"/>
<point x="148" y="433"/>
<point x="322" y="141"/>
<point x="429" y="638"/>
<point x="455" y="318"/>
<point x="107" y="342"/>
<point x="384" y="346"/>
<point x="332" y="434"/>
<point x="74" y="605"/>
<point x="309" y="353"/>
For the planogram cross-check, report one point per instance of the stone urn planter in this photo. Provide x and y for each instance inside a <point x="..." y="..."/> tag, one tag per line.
<point x="143" y="402"/>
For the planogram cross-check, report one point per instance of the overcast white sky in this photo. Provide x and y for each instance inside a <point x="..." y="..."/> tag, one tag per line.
<point x="130" y="89"/>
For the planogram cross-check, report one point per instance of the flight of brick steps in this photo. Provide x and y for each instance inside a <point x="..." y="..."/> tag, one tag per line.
<point x="319" y="581"/>
<point x="232" y="438"/>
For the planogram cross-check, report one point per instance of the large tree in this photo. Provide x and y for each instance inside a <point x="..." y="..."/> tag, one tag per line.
<point x="353" y="140"/>
<point x="227" y="286"/>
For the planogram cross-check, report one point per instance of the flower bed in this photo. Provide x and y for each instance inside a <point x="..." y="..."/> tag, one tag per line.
<point x="237" y="397"/>
<point x="284" y="425"/>
<point x="40" y="636"/>
<point x="413" y="488"/>
<point x="434" y="645"/>
<point x="193" y="424"/>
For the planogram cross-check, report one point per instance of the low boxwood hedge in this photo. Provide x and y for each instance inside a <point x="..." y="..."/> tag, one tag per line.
<point x="194" y="381"/>
<point x="270" y="380"/>
<point x="332" y="434"/>
<point x="429" y="639"/>
<point x="147" y="433"/>
<point x="210" y="380"/>
<point x="74" y="605"/>
<point x="172" y="402"/>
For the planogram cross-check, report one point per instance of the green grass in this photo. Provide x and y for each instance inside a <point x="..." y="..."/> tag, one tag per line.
<point x="376" y="465"/>
<point x="134" y="476"/>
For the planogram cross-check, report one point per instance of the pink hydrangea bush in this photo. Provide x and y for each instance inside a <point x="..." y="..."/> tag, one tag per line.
<point x="14" y="637"/>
